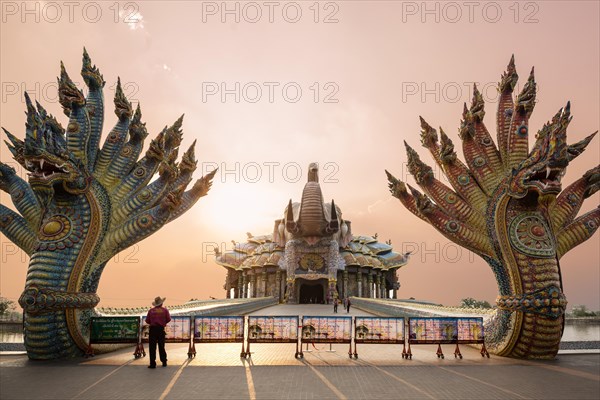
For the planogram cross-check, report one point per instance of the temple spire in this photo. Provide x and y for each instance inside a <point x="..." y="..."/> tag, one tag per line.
<point x="313" y="172"/>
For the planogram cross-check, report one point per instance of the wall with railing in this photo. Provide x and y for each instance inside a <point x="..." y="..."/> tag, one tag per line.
<point x="199" y="307"/>
<point x="399" y="308"/>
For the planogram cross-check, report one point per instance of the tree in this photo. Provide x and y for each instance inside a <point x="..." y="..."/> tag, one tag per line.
<point x="582" y="311"/>
<point x="5" y="306"/>
<point x="470" y="302"/>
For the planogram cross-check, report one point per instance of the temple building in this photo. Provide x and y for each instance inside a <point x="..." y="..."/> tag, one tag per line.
<point x="311" y="257"/>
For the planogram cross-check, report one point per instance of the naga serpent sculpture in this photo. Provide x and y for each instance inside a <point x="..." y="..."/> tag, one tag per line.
<point x="84" y="204"/>
<point x="507" y="207"/>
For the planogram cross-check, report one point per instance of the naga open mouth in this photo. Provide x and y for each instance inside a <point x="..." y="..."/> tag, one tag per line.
<point x="42" y="170"/>
<point x="546" y="179"/>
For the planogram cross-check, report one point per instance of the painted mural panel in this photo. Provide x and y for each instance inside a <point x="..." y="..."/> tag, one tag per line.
<point x="379" y="330"/>
<point x="178" y="330"/>
<point x="433" y="330"/>
<point x="470" y="330"/>
<point x="326" y="329"/>
<point x="271" y="329"/>
<point x="218" y="329"/>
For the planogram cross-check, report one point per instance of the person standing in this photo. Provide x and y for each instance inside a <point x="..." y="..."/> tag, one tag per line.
<point x="335" y="305"/>
<point x="348" y="305"/>
<point x="158" y="317"/>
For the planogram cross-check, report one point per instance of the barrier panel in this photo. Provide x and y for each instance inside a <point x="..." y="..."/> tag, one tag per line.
<point x="272" y="329"/>
<point x="470" y="331"/>
<point x="384" y="330"/>
<point x="177" y="331"/>
<point x="326" y="330"/>
<point x="218" y="330"/>
<point x="115" y="330"/>
<point x="448" y="330"/>
<point x="284" y="329"/>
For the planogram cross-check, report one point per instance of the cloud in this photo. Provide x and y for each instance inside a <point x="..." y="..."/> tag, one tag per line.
<point x="134" y="20"/>
<point x="371" y="208"/>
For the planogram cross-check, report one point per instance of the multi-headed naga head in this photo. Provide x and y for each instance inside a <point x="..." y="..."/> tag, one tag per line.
<point x="85" y="202"/>
<point x="51" y="165"/>
<point x="507" y="205"/>
<point x="543" y="169"/>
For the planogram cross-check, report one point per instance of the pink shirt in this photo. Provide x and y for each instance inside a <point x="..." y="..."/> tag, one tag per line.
<point x="158" y="316"/>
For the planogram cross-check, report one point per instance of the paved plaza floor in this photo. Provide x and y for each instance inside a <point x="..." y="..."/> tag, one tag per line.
<point x="272" y="372"/>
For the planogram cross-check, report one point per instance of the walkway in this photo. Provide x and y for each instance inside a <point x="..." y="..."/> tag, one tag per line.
<point x="217" y="372"/>
<point x="309" y="309"/>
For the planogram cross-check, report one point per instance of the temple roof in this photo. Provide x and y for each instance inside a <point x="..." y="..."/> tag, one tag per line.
<point x="312" y="220"/>
<point x="261" y="251"/>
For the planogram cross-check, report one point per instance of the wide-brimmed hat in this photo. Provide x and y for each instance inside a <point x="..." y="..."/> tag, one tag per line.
<point x="158" y="301"/>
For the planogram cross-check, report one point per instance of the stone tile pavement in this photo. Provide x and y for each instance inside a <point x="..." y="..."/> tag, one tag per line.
<point x="272" y="372"/>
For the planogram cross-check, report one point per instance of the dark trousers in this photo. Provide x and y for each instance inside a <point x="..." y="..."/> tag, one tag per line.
<point x="157" y="336"/>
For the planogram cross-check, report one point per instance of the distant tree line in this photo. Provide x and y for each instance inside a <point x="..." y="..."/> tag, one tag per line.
<point x="5" y="306"/>
<point x="582" y="311"/>
<point x="578" y="311"/>
<point x="7" y="310"/>
<point x="470" y="302"/>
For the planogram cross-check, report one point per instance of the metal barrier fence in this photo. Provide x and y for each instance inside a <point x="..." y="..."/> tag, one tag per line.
<point x="329" y="330"/>
<point x="176" y="331"/>
<point x="448" y="330"/>
<point x="113" y="329"/>
<point x="218" y="330"/>
<point x="272" y="329"/>
<point x="296" y="329"/>
<point x="380" y="330"/>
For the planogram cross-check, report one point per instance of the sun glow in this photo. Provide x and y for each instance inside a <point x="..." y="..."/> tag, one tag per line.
<point x="242" y="207"/>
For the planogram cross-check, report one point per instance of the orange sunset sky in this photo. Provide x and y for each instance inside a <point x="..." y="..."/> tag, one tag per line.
<point x="340" y="83"/>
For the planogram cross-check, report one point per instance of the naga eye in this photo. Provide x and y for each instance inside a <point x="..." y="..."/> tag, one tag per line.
<point x="145" y="221"/>
<point x="522" y="130"/>
<point x="451" y="198"/>
<point x="452" y="226"/>
<point x="479" y="162"/>
<point x="140" y="172"/>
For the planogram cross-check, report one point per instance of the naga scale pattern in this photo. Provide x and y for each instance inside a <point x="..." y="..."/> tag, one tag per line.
<point x="83" y="203"/>
<point x="507" y="205"/>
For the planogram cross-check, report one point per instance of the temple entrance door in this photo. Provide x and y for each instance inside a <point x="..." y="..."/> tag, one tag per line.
<point x="311" y="293"/>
